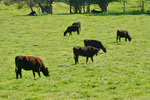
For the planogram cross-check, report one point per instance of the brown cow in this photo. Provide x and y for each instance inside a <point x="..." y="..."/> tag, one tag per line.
<point x="78" y="24"/>
<point x="94" y="43"/>
<point x="123" y="33"/>
<point x="84" y="51"/>
<point x="71" y="29"/>
<point x="30" y="63"/>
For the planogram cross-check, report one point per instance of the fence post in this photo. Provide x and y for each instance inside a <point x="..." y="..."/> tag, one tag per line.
<point x="142" y="6"/>
<point x="124" y="2"/>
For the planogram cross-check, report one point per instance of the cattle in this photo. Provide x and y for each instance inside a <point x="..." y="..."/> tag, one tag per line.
<point x="71" y="29"/>
<point x="78" y="24"/>
<point x="87" y="52"/>
<point x="30" y="63"/>
<point x="94" y="11"/>
<point x="121" y="34"/>
<point x="32" y="13"/>
<point x="94" y="43"/>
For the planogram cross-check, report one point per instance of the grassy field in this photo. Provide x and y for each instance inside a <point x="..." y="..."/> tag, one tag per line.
<point x="121" y="73"/>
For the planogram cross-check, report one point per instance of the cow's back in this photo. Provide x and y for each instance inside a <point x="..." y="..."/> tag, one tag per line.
<point x="93" y="43"/>
<point x="79" y="51"/>
<point x="122" y="33"/>
<point x="29" y="62"/>
<point x="84" y="51"/>
<point x="77" y="23"/>
<point x="73" y="28"/>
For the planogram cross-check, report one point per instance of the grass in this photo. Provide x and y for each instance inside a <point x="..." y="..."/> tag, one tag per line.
<point x="121" y="73"/>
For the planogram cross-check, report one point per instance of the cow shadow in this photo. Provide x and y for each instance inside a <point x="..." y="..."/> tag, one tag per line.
<point x="63" y="66"/>
<point x="115" y="43"/>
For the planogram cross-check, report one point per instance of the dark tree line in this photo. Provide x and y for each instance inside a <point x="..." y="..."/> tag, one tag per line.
<point x="79" y="4"/>
<point x="46" y="5"/>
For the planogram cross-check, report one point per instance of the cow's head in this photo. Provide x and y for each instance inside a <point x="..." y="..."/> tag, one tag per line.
<point x="129" y="38"/>
<point x="46" y="72"/>
<point x="65" y="33"/>
<point x="104" y="49"/>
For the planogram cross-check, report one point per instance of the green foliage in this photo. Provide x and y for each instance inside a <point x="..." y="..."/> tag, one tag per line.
<point x="103" y="1"/>
<point x="121" y="73"/>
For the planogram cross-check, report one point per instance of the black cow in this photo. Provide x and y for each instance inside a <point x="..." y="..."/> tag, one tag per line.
<point x="94" y="11"/>
<point x="121" y="34"/>
<point x="84" y="51"/>
<point x="71" y="29"/>
<point x="94" y="43"/>
<point x="30" y="63"/>
<point x="32" y="13"/>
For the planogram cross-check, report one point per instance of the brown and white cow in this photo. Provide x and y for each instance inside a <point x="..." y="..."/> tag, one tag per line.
<point x="87" y="52"/>
<point x="30" y="63"/>
<point x="121" y="34"/>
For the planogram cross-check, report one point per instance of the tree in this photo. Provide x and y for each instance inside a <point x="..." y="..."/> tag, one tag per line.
<point x="77" y="5"/>
<point x="45" y="5"/>
<point x="103" y="4"/>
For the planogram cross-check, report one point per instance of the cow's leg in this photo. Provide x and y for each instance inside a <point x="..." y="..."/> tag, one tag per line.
<point x="125" y="39"/>
<point x="16" y="75"/>
<point x="19" y="72"/>
<point x="117" y="39"/>
<point x="78" y="32"/>
<point x="70" y="34"/>
<point x="87" y="59"/>
<point x="76" y="60"/>
<point x="34" y="74"/>
<point x="120" y="39"/>
<point x="92" y="59"/>
<point x="16" y="70"/>
<point x="39" y="73"/>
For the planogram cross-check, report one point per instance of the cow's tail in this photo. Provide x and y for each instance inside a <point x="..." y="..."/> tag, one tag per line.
<point x="74" y="53"/>
<point x="16" y="68"/>
<point x="117" y="35"/>
<point x="74" y="56"/>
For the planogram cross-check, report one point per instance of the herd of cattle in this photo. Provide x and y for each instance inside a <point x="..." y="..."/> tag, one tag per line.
<point x="91" y="48"/>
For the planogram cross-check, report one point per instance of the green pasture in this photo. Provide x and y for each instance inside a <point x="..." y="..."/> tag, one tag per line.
<point x="123" y="73"/>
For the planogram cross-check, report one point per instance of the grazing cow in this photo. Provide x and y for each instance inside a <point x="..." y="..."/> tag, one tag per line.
<point x="30" y="63"/>
<point x="123" y="33"/>
<point x="78" y="24"/>
<point x="32" y="13"/>
<point x="71" y="29"/>
<point x="94" y="11"/>
<point x="84" y="51"/>
<point x="94" y="43"/>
